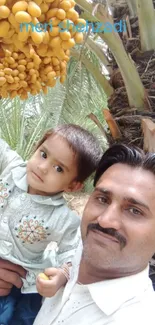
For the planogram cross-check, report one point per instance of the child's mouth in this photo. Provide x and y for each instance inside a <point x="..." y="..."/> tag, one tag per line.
<point x="37" y="176"/>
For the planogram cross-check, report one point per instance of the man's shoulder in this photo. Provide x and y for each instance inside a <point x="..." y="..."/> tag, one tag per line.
<point x="139" y="310"/>
<point x="148" y="303"/>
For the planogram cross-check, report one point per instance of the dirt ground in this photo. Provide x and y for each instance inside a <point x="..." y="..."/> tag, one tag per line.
<point x="77" y="202"/>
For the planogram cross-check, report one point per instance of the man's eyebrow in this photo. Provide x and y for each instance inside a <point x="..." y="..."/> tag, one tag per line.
<point x="57" y="161"/>
<point x="133" y="201"/>
<point x="102" y="190"/>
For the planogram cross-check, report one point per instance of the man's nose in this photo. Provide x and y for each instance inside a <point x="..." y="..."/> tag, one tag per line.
<point x="110" y="217"/>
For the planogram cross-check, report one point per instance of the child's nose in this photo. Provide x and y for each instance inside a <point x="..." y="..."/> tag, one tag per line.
<point x="43" y="168"/>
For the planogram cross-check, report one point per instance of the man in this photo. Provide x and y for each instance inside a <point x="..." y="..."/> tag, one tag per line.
<point x="109" y="282"/>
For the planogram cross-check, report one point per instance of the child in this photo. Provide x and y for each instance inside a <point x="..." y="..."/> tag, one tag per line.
<point x="34" y="212"/>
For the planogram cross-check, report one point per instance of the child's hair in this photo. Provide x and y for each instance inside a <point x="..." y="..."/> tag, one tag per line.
<point x="84" y="144"/>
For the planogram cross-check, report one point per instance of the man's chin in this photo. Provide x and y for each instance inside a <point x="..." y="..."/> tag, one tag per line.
<point x="97" y="257"/>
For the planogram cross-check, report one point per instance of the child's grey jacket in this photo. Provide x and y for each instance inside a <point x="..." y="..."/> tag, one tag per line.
<point x="28" y="223"/>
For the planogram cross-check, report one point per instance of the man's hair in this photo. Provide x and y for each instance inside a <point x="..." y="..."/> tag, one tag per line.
<point x="83" y="143"/>
<point x="125" y="154"/>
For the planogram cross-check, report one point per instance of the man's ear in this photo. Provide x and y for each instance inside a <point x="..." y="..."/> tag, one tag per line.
<point x="74" y="187"/>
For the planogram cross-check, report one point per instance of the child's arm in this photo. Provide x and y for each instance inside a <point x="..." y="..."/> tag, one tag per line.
<point x="7" y="156"/>
<point x="56" y="278"/>
<point x="66" y="251"/>
<point x="56" y="255"/>
<point x="70" y="239"/>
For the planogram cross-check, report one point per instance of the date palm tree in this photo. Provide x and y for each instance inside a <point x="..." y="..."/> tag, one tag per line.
<point x="22" y="123"/>
<point x="118" y="66"/>
<point x="129" y="59"/>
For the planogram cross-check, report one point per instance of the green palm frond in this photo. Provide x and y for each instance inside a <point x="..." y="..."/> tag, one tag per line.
<point x="83" y="96"/>
<point x="21" y="126"/>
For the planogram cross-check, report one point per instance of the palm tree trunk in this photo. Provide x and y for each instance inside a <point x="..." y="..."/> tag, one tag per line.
<point x="130" y="118"/>
<point x="132" y="65"/>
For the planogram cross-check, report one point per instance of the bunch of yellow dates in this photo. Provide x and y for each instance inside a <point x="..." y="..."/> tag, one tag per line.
<point x="34" y="50"/>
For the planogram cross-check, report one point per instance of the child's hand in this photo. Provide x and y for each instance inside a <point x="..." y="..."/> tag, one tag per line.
<point x="48" y="288"/>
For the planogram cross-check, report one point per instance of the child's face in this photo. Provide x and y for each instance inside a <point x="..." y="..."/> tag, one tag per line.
<point x="52" y="168"/>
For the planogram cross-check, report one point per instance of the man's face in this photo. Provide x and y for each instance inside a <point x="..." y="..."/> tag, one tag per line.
<point x="118" y="225"/>
<point x="52" y="168"/>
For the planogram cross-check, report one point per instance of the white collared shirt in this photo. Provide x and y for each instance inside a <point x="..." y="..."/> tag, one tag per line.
<point x="124" y="301"/>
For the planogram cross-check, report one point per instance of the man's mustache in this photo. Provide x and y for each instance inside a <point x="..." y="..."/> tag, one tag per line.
<point x="109" y="231"/>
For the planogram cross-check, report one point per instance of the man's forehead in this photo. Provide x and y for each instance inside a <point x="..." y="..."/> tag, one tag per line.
<point x="124" y="171"/>
<point x="132" y="180"/>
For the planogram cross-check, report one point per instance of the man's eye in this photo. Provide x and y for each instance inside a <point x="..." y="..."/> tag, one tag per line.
<point x="102" y="199"/>
<point x="58" y="169"/>
<point x="135" y="211"/>
<point x="43" y="154"/>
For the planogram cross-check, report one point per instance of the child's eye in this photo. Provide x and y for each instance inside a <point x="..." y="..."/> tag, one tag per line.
<point x="43" y="154"/>
<point x="58" y="169"/>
